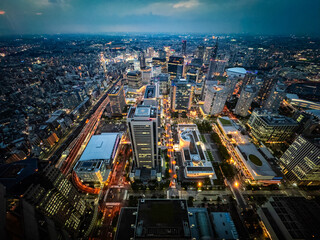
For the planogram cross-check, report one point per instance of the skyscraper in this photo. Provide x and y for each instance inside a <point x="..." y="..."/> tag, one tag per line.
<point x="142" y="60"/>
<point x="301" y="161"/>
<point x="184" y="47"/>
<point x="215" y="99"/>
<point x="234" y="75"/>
<point x="143" y="132"/>
<point x="200" y="52"/>
<point x="276" y="96"/>
<point x="55" y="196"/>
<point x="134" y="80"/>
<point x="117" y="100"/>
<point x="244" y="103"/>
<point x="271" y="127"/>
<point x="175" y="67"/>
<point x="212" y="62"/>
<point x="162" y="54"/>
<point x="181" y="95"/>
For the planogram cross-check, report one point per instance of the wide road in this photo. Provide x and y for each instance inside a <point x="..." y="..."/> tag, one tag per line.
<point x="77" y="146"/>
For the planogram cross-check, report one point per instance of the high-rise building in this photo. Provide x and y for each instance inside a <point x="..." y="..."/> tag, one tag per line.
<point x="21" y="220"/>
<point x="134" y="80"/>
<point x="290" y="218"/>
<point x="160" y="62"/>
<point x="181" y="95"/>
<point x="271" y="127"/>
<point x="207" y="55"/>
<point x="55" y="196"/>
<point x="184" y="48"/>
<point x="266" y="87"/>
<point x="163" y="83"/>
<point x="192" y="75"/>
<point x="142" y="60"/>
<point x="143" y="132"/>
<point x="151" y="96"/>
<point x="146" y="75"/>
<point x="212" y="61"/>
<point x="117" y="100"/>
<point x="234" y="75"/>
<point x="276" y="96"/>
<point x="162" y="54"/>
<point x="200" y="52"/>
<point x="301" y="161"/>
<point x="244" y="103"/>
<point x="175" y="67"/>
<point x="215" y="99"/>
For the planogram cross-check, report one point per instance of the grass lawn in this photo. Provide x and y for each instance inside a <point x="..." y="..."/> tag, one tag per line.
<point x="210" y="156"/>
<point x="225" y="122"/>
<point x="255" y="160"/>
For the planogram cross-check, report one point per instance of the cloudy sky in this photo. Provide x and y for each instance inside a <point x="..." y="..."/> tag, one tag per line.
<point x="178" y="16"/>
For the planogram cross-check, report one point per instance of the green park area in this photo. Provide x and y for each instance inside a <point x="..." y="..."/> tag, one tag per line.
<point x="254" y="159"/>
<point x="225" y="122"/>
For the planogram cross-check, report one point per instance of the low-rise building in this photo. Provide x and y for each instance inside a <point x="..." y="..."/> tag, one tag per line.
<point x="196" y="164"/>
<point x="95" y="163"/>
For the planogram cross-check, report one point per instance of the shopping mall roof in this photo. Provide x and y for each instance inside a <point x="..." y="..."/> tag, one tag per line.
<point x="101" y="147"/>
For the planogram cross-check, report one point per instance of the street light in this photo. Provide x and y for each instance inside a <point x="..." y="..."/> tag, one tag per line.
<point x="236" y="184"/>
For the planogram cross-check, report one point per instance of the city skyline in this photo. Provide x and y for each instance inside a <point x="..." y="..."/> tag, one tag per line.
<point x="186" y="16"/>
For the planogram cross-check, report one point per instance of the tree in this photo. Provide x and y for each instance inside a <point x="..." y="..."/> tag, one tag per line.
<point x="190" y="202"/>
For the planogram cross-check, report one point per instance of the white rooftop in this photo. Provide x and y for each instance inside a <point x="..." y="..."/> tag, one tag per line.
<point x="260" y="171"/>
<point x="237" y="70"/>
<point x="100" y="147"/>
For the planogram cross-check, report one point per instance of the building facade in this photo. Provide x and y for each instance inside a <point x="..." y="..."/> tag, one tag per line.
<point x="244" y="103"/>
<point x="301" y="161"/>
<point x="117" y="100"/>
<point x="271" y="127"/>
<point x="215" y="99"/>
<point x="181" y="95"/>
<point x="175" y="67"/>
<point x="143" y="132"/>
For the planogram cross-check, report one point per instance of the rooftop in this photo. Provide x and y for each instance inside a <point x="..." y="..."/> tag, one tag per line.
<point x="237" y="70"/>
<point x="150" y="91"/>
<point x="101" y="147"/>
<point x="162" y="219"/>
<point x="255" y="162"/>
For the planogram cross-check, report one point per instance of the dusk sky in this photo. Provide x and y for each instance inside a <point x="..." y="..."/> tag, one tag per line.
<point x="177" y="16"/>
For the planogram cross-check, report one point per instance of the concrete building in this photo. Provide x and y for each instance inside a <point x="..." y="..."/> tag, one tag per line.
<point x="143" y="132"/>
<point x="290" y="218"/>
<point x="163" y="83"/>
<point x="249" y="159"/>
<point x="276" y="96"/>
<point x="134" y="80"/>
<point x="181" y="95"/>
<point x="155" y="219"/>
<point x="223" y="225"/>
<point x="300" y="163"/>
<point x="233" y="76"/>
<point x="271" y="127"/>
<point x="215" y="99"/>
<point x="117" y="100"/>
<point x="151" y="96"/>
<point x="55" y="196"/>
<point x="244" y="103"/>
<point x="175" y="67"/>
<point x="95" y="163"/>
<point x="193" y="152"/>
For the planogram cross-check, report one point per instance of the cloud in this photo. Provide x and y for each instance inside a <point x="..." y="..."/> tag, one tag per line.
<point x="2" y="12"/>
<point x="161" y="8"/>
<point x="187" y="4"/>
